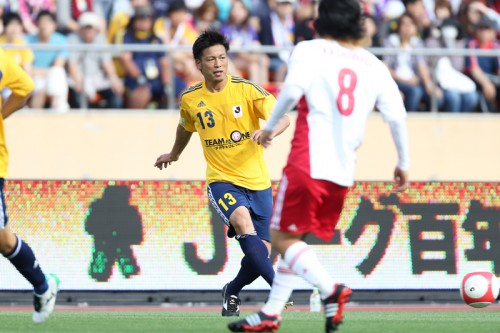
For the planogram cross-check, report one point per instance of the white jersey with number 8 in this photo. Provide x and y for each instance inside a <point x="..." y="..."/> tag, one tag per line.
<point x="341" y="86"/>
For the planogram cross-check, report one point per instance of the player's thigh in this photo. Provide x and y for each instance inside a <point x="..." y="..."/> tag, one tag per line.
<point x="261" y="208"/>
<point x="295" y="203"/>
<point x="329" y="209"/>
<point x="226" y="198"/>
<point x="306" y="205"/>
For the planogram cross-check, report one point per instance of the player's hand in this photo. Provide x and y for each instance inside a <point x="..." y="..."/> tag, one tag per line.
<point x="400" y="179"/>
<point x="165" y="160"/>
<point x="263" y="137"/>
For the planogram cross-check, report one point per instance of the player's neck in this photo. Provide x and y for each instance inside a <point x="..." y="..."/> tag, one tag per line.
<point x="347" y="43"/>
<point x="215" y="87"/>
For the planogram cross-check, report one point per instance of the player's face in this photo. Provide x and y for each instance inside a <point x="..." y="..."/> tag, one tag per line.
<point x="213" y="64"/>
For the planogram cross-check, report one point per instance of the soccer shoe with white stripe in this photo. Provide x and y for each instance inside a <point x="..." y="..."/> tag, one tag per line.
<point x="44" y="304"/>
<point x="257" y="322"/>
<point x="334" y="307"/>
<point x="230" y="304"/>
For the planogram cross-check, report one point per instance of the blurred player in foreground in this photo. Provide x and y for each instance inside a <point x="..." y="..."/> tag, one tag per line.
<point x="12" y="246"/>
<point x="225" y="111"/>
<point x="341" y="83"/>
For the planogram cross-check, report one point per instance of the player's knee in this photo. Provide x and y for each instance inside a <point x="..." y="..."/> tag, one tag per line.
<point x="7" y="242"/>
<point x="241" y="221"/>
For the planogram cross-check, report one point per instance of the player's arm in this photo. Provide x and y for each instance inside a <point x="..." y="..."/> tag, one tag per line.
<point x="21" y="85"/>
<point x="390" y="104"/>
<point x="182" y="138"/>
<point x="399" y="133"/>
<point x="279" y="121"/>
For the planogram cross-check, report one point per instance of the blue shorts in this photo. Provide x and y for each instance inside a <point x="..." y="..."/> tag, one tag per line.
<point x="226" y="197"/>
<point x="3" y="208"/>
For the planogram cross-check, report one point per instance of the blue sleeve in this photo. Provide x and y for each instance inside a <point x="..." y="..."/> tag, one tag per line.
<point x="61" y="40"/>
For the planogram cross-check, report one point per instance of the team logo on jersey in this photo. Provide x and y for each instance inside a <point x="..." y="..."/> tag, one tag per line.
<point x="237" y="111"/>
<point x="236" y="136"/>
<point x="201" y="104"/>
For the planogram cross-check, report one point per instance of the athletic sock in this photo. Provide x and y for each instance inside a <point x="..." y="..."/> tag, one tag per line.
<point x="246" y="275"/>
<point x="303" y="261"/>
<point x="253" y="248"/>
<point x="23" y="258"/>
<point x="284" y="282"/>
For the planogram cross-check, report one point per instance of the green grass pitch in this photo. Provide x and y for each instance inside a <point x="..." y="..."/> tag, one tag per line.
<point x="473" y="321"/>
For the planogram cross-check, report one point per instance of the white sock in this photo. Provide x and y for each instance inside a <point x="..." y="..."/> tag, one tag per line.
<point x="284" y="282"/>
<point x="303" y="261"/>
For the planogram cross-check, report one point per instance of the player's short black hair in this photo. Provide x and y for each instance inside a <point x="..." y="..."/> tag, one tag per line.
<point x="340" y="19"/>
<point x="208" y="39"/>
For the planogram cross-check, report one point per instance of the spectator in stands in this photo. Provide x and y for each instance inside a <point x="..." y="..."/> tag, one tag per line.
<point x="68" y="12"/>
<point x="277" y="29"/>
<point x="416" y="9"/>
<point x="240" y="33"/>
<point x="160" y="7"/>
<point x="459" y="91"/>
<point x="491" y="13"/>
<point x="205" y="16"/>
<point x="147" y="73"/>
<point x="92" y="75"/>
<point x="176" y="29"/>
<point x="371" y="31"/>
<point x="117" y="26"/>
<point x="386" y="13"/>
<point x="30" y="9"/>
<point x="4" y="9"/>
<point x="48" y="67"/>
<point x="13" y="34"/>
<point x="485" y="71"/>
<point x="304" y="28"/>
<point x="105" y="8"/>
<point x="410" y="71"/>
<point x="469" y="16"/>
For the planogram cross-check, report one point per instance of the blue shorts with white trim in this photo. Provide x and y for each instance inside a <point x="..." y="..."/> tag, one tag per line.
<point x="226" y="197"/>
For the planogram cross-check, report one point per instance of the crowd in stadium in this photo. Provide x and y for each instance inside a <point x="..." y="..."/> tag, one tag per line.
<point x="142" y="80"/>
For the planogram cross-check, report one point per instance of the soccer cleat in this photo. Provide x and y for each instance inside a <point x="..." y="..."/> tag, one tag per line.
<point x="44" y="304"/>
<point x="334" y="307"/>
<point x="257" y="322"/>
<point x="230" y="304"/>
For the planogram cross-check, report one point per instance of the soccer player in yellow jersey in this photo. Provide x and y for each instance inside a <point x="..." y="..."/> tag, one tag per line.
<point x="225" y="111"/>
<point x="12" y="246"/>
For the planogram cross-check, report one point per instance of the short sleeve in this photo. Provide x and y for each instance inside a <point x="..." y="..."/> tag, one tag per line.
<point x="186" y="120"/>
<point x="264" y="106"/>
<point x="16" y="79"/>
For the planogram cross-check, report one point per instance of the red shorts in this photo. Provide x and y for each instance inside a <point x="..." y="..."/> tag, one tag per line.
<point x="304" y="204"/>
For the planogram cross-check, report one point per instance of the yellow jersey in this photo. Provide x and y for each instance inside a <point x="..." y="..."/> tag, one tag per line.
<point x="17" y="80"/>
<point x="225" y="121"/>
